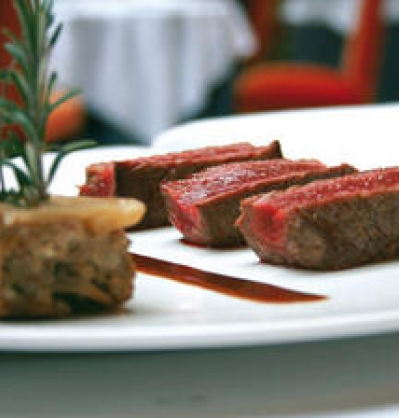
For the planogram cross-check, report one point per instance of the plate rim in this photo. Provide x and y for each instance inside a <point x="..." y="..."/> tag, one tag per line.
<point x="206" y="336"/>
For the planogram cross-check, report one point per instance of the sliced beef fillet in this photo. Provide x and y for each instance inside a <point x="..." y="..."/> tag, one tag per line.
<point x="205" y="206"/>
<point x="141" y="177"/>
<point x="100" y="180"/>
<point x="328" y="224"/>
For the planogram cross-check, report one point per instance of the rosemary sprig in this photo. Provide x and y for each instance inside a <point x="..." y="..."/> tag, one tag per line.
<point x="29" y="73"/>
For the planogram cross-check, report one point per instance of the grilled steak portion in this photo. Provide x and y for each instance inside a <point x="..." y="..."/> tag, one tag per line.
<point x="204" y="207"/>
<point x="141" y="177"/>
<point x="328" y="224"/>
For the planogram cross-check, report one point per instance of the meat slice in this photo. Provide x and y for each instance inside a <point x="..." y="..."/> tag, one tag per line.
<point x="205" y="206"/>
<point x="141" y="177"/>
<point x="328" y="224"/>
<point x="100" y="180"/>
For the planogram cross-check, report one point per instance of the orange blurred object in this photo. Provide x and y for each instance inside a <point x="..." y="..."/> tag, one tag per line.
<point x="287" y="86"/>
<point x="68" y="120"/>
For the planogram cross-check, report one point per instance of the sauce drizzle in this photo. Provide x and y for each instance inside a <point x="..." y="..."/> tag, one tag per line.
<point x="232" y="286"/>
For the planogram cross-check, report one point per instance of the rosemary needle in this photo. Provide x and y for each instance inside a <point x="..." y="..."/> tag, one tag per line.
<point x="30" y="75"/>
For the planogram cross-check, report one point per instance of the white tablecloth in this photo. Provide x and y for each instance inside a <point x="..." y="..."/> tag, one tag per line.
<point x="145" y="64"/>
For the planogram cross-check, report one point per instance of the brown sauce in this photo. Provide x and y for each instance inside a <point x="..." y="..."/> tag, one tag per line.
<point x="232" y="286"/>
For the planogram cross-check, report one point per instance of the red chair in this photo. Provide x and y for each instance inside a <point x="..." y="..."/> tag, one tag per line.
<point x="262" y="17"/>
<point x="287" y="86"/>
<point x="68" y="120"/>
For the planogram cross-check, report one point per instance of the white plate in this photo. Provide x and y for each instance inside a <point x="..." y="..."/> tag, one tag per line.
<point x="367" y="136"/>
<point x="168" y="315"/>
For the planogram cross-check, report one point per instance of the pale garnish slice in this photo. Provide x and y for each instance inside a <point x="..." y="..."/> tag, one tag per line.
<point x="99" y="215"/>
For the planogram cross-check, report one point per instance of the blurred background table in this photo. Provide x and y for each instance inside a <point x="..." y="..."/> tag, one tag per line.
<point x="146" y="65"/>
<point x="348" y="378"/>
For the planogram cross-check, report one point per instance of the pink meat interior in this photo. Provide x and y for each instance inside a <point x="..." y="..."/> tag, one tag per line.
<point x="100" y="181"/>
<point x="234" y="177"/>
<point x="324" y="190"/>
<point x="184" y="195"/>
